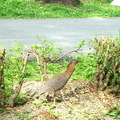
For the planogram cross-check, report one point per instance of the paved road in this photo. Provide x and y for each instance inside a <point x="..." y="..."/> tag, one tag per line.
<point x="66" y="33"/>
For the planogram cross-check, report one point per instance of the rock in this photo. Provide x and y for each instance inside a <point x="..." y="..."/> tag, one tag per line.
<point x="115" y="2"/>
<point x="31" y="88"/>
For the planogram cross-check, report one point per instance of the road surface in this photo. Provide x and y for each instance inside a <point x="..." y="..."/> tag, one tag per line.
<point x="65" y="32"/>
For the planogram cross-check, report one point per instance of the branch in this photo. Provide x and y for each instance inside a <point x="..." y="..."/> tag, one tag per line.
<point x="68" y="54"/>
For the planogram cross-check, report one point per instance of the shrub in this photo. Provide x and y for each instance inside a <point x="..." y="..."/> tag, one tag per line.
<point x="107" y="52"/>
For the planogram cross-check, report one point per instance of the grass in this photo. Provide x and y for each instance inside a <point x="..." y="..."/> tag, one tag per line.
<point x="30" y="9"/>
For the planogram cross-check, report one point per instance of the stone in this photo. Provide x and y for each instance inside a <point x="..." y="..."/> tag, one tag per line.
<point x="115" y="3"/>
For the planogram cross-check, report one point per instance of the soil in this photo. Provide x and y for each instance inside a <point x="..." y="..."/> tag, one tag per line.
<point x="81" y="103"/>
<point x="64" y="2"/>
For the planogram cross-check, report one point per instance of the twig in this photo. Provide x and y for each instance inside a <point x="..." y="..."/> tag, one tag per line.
<point x="67" y="54"/>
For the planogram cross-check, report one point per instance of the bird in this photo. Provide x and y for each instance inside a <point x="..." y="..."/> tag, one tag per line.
<point x="57" y="82"/>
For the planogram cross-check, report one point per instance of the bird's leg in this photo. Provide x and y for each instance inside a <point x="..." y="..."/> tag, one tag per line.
<point x="54" y="98"/>
<point x="62" y="95"/>
<point x="47" y="96"/>
<point x="75" y="95"/>
<point x="64" y="99"/>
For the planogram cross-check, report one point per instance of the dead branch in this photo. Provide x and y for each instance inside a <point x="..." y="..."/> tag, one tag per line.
<point x="67" y="54"/>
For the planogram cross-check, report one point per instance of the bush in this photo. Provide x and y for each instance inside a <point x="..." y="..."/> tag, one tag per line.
<point x="107" y="52"/>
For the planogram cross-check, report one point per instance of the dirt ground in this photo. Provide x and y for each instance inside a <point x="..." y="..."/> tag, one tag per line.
<point x="81" y="103"/>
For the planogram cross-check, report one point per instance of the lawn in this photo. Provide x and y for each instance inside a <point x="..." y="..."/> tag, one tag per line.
<point x="30" y="9"/>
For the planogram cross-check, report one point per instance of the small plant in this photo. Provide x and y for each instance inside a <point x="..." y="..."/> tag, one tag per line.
<point x="24" y="116"/>
<point x="52" y="106"/>
<point x="21" y="99"/>
<point x="54" y="114"/>
<point x="114" y="112"/>
<point x="45" y="53"/>
<point x="73" y="100"/>
<point x="37" y="104"/>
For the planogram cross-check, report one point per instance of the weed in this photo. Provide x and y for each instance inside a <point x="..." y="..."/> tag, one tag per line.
<point x="114" y="112"/>
<point x="21" y="99"/>
<point x="24" y="116"/>
<point x="37" y="104"/>
<point x="52" y="106"/>
<point x="73" y="100"/>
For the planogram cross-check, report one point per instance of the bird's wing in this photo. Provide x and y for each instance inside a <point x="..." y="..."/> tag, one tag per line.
<point x="55" y="83"/>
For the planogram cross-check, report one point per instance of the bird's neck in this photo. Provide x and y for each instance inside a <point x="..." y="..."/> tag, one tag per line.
<point x="70" y="69"/>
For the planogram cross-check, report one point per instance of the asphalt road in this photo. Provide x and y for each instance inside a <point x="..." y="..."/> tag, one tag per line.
<point x="66" y="32"/>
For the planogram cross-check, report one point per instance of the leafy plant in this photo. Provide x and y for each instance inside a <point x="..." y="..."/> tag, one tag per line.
<point x="25" y="115"/>
<point x="21" y="99"/>
<point x="114" y="112"/>
<point x="13" y="66"/>
<point x="45" y="52"/>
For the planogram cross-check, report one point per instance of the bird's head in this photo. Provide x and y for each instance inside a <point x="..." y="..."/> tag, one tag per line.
<point x="74" y="62"/>
<point x="71" y="65"/>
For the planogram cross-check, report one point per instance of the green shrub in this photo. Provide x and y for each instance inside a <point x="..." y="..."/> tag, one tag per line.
<point x="13" y="66"/>
<point x="107" y="53"/>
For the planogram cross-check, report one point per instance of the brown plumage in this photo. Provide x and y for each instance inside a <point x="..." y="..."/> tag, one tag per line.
<point x="59" y="81"/>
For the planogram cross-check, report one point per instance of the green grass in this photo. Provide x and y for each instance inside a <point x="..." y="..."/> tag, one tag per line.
<point x="31" y="9"/>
